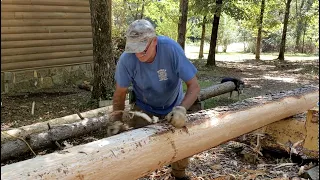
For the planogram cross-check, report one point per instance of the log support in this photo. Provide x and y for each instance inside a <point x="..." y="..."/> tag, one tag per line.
<point x="197" y="106"/>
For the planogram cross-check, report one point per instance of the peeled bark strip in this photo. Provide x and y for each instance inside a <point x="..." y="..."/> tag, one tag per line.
<point x="135" y="153"/>
<point x="216" y="90"/>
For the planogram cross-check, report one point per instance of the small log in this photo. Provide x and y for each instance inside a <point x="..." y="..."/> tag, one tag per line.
<point x="216" y="90"/>
<point x="144" y="148"/>
<point x="57" y="132"/>
<point x="24" y="131"/>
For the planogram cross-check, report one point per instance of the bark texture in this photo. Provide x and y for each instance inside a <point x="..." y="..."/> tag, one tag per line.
<point x="182" y="26"/>
<point x="284" y="32"/>
<point x="211" y="61"/>
<point x="258" y="46"/>
<point x="108" y="158"/>
<point x="203" y="34"/>
<point x="41" y="135"/>
<point x="104" y="64"/>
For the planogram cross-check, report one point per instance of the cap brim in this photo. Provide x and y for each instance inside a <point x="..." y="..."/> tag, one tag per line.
<point x="135" y="47"/>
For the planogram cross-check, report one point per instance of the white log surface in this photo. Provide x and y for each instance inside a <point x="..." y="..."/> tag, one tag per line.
<point x="216" y="90"/>
<point x="135" y="153"/>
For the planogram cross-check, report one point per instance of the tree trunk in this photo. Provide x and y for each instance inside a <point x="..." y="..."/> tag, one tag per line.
<point x="304" y="34"/>
<point x="216" y="90"/>
<point x="144" y="147"/>
<point x="299" y="25"/>
<point x="142" y="9"/>
<point x="182" y="26"/>
<point x="104" y="64"/>
<point x="260" y="30"/>
<point x="203" y="34"/>
<point x="284" y="32"/>
<point x="214" y="35"/>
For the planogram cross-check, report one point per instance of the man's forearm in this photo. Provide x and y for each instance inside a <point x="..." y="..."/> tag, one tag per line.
<point x="190" y="96"/>
<point x="118" y="102"/>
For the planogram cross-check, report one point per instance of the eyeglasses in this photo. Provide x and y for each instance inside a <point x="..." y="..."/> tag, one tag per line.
<point x="144" y="52"/>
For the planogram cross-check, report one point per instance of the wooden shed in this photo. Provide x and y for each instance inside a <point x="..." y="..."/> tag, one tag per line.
<point x="44" y="33"/>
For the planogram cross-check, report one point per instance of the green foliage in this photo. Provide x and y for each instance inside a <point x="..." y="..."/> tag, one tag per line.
<point x="165" y="14"/>
<point x="238" y="21"/>
<point x="227" y="31"/>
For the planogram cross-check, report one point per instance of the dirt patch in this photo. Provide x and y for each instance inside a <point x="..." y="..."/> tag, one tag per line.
<point x="260" y="78"/>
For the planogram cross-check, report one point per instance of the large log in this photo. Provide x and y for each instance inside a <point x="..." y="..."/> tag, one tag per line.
<point x="135" y="153"/>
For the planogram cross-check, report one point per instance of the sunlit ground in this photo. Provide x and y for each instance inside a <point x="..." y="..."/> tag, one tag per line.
<point x="235" y="54"/>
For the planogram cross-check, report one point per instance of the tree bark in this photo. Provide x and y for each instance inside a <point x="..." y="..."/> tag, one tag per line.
<point x="108" y="158"/>
<point x="182" y="26"/>
<point x="211" y="61"/>
<point x="104" y="64"/>
<point x="299" y="26"/>
<point x="203" y="34"/>
<point x="260" y="30"/>
<point x="25" y="131"/>
<point x="142" y="9"/>
<point x="41" y="135"/>
<point x="284" y="32"/>
<point x="54" y="133"/>
<point x="303" y="37"/>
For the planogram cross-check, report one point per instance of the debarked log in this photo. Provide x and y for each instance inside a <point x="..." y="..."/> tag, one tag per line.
<point x="216" y="90"/>
<point x="135" y="153"/>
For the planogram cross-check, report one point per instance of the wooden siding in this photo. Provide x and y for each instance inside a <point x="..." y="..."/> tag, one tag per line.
<point x="45" y="33"/>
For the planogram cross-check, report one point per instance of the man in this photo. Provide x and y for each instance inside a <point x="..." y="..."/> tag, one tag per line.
<point x="155" y="66"/>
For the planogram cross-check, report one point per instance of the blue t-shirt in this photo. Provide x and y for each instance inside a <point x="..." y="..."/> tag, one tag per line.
<point x="157" y="85"/>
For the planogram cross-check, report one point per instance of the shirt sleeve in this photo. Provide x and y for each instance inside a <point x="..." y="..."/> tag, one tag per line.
<point x="122" y="75"/>
<point x="184" y="68"/>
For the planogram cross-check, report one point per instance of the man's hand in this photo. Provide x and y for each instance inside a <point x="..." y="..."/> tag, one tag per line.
<point x="178" y="117"/>
<point x="116" y="124"/>
<point x="114" y="128"/>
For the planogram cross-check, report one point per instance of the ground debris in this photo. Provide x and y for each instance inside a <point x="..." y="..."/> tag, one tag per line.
<point x="225" y="162"/>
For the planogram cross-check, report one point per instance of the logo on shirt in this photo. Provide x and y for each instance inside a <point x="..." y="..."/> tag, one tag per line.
<point x="162" y="74"/>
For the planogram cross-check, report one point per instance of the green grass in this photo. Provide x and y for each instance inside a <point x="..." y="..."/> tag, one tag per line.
<point x="203" y="84"/>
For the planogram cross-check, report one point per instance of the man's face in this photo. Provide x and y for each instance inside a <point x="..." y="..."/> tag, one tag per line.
<point x="149" y="53"/>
